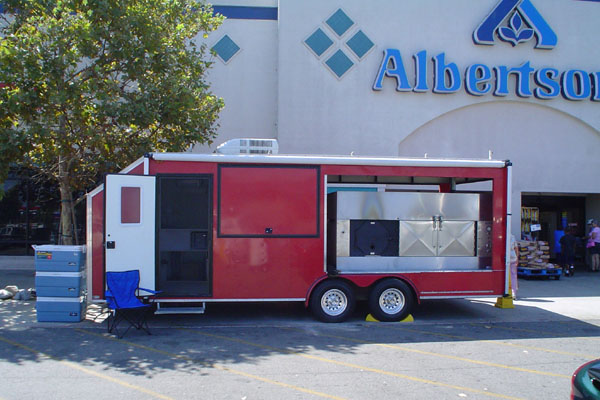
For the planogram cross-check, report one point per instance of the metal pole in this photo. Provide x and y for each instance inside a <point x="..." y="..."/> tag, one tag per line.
<point x="508" y="225"/>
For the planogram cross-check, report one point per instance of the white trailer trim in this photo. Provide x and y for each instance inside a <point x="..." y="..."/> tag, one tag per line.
<point x="508" y="228"/>
<point x="88" y="237"/>
<point x="209" y="300"/>
<point x="133" y="165"/>
<point x="325" y="194"/>
<point x="329" y="160"/>
<point x="457" y="297"/>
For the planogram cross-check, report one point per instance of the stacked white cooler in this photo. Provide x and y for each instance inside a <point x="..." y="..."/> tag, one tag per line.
<point x="60" y="283"/>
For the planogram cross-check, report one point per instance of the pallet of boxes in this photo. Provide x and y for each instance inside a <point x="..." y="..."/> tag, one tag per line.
<point x="534" y="257"/>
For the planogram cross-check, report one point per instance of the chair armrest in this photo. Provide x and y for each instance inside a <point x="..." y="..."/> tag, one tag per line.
<point x="153" y="292"/>
<point x="111" y="302"/>
<point x="150" y="295"/>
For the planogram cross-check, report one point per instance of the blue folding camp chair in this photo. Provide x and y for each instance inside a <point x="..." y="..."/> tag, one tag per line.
<point x="123" y="298"/>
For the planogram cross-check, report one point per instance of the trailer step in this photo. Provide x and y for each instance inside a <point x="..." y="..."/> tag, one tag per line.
<point x="179" y="308"/>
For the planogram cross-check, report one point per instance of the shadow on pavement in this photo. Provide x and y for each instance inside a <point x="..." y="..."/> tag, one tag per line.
<point x="248" y="332"/>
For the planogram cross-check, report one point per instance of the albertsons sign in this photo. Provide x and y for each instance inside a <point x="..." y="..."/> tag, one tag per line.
<point x="512" y="21"/>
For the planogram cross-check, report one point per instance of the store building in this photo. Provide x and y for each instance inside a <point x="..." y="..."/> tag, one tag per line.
<point x="442" y="78"/>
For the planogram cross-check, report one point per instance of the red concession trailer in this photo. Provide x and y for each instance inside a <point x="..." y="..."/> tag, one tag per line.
<point x="316" y="229"/>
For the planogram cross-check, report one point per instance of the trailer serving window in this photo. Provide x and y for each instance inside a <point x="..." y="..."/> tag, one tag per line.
<point x="268" y="201"/>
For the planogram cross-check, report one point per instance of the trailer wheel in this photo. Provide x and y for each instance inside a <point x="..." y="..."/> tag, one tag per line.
<point x="332" y="301"/>
<point x="390" y="300"/>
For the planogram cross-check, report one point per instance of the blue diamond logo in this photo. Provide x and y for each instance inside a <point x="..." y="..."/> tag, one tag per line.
<point x="343" y="50"/>
<point x="226" y="49"/>
<point x="360" y="44"/>
<point x="339" y="22"/>
<point x="319" y="42"/>
<point x="339" y="63"/>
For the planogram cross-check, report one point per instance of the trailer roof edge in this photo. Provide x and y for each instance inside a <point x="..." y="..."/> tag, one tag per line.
<point x="133" y="165"/>
<point x="330" y="160"/>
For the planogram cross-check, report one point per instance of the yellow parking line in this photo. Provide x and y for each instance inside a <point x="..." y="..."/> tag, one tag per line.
<point x="550" y="334"/>
<point x="215" y="366"/>
<point x="356" y="366"/>
<point x="86" y="370"/>
<point x="594" y="324"/>
<point x="456" y="358"/>
<point x="499" y="343"/>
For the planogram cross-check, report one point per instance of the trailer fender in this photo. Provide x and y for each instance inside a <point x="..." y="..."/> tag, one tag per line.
<point x="312" y="287"/>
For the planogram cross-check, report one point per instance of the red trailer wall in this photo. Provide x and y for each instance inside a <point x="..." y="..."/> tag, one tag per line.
<point x="248" y="263"/>
<point x="97" y="248"/>
<point x="268" y="241"/>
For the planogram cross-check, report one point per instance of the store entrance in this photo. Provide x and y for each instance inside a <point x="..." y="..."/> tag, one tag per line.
<point x="545" y="218"/>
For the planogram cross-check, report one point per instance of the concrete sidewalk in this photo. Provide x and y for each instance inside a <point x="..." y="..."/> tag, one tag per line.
<point x="17" y="271"/>
<point x="16" y="314"/>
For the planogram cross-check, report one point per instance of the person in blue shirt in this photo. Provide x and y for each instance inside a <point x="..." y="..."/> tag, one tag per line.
<point x="567" y="246"/>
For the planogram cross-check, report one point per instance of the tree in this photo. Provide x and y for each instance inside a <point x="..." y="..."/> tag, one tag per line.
<point x="91" y="85"/>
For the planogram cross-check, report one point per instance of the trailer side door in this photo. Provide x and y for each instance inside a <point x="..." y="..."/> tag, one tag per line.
<point x="130" y="225"/>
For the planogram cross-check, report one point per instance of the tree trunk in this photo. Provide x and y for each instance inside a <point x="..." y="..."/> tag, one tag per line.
<point x="66" y="204"/>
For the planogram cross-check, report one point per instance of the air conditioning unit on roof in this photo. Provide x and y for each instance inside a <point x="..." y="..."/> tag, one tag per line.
<point x="248" y="146"/>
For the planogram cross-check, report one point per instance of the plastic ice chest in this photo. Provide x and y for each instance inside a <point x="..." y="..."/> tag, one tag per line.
<point x="59" y="258"/>
<point x="60" y="309"/>
<point x="59" y="284"/>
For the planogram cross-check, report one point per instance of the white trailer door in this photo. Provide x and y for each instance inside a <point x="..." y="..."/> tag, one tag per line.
<point x="130" y="213"/>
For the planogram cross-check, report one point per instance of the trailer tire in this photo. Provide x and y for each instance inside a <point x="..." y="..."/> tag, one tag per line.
<point x="391" y="300"/>
<point x="333" y="301"/>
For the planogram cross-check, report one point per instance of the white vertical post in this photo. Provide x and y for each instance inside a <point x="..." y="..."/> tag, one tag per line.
<point x="325" y="223"/>
<point x="88" y="242"/>
<point x="508" y="224"/>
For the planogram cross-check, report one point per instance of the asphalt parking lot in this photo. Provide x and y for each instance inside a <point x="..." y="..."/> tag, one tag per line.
<point x="453" y="349"/>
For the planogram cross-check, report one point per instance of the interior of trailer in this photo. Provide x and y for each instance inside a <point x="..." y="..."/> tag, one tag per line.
<point x="400" y="224"/>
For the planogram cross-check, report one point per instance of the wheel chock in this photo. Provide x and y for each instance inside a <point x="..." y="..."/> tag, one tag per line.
<point x="505" y="302"/>
<point x="371" y="318"/>
<point x="409" y="318"/>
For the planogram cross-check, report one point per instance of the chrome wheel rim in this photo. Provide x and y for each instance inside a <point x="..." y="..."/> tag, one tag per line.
<point x="391" y="301"/>
<point x="334" y="302"/>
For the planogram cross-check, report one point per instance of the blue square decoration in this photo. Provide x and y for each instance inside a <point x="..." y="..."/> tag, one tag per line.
<point x="226" y="48"/>
<point x="319" y="42"/>
<point x="339" y="22"/>
<point x="339" y="63"/>
<point x="360" y="44"/>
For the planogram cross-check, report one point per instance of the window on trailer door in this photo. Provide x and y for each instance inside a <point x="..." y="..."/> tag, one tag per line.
<point x="131" y="205"/>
